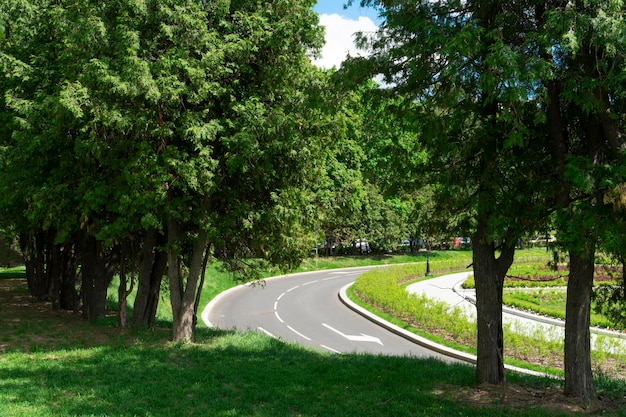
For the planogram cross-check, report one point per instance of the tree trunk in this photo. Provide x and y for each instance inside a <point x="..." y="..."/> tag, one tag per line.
<point x="489" y="274"/>
<point x="127" y="257"/>
<point x="68" y="297"/>
<point x="183" y="289"/>
<point x="578" y="372"/>
<point x="152" y="267"/>
<point x="34" y="251"/>
<point x="156" y="277"/>
<point x="122" y="296"/>
<point x="54" y="272"/>
<point x="96" y="275"/>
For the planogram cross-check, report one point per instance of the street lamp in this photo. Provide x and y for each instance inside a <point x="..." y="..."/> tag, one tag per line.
<point x="428" y="273"/>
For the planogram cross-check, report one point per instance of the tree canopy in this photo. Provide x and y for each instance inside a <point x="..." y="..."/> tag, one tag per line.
<point x="188" y="118"/>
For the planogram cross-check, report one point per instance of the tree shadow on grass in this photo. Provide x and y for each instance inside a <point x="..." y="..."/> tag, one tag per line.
<point x="235" y="374"/>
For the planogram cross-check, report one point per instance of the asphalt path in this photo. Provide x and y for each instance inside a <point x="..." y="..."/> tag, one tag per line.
<point x="306" y="309"/>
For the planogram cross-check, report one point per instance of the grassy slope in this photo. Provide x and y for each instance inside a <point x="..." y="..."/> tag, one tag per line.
<point x="229" y="374"/>
<point x="232" y="374"/>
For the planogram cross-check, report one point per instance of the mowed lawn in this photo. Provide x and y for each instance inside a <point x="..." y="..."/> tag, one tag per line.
<point x="54" y="364"/>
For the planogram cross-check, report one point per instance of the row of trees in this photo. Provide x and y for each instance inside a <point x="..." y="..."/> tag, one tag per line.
<point x="521" y="109"/>
<point x="143" y="137"/>
<point x="146" y="138"/>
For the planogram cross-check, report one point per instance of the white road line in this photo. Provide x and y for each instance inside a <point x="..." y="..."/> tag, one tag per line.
<point x="266" y="332"/>
<point x="310" y="282"/>
<point x="298" y="333"/>
<point x="355" y="338"/>
<point x="280" y="296"/>
<point x="278" y="317"/>
<point x="275" y="305"/>
<point x="329" y="278"/>
<point x="291" y="289"/>
<point x="329" y="348"/>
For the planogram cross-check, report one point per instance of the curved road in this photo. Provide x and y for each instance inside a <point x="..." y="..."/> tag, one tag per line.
<point x="305" y="308"/>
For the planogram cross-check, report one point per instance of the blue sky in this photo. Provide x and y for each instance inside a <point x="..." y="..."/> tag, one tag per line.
<point x="353" y="12"/>
<point x="340" y="26"/>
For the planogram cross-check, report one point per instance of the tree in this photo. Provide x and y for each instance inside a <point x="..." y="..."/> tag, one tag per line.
<point x="505" y="78"/>
<point x="176" y="123"/>
<point x="460" y="63"/>
<point x="353" y="203"/>
<point x="611" y="300"/>
<point x="584" y="108"/>
<point x="39" y="169"/>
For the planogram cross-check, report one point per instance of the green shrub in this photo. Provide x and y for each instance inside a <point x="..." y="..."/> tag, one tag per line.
<point x="383" y="289"/>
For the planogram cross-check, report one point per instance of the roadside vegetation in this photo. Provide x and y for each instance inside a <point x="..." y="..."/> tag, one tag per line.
<point x="383" y="292"/>
<point x="541" y="287"/>
<point x="55" y="364"/>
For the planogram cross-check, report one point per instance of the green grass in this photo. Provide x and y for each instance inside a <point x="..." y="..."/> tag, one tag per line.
<point x="383" y="293"/>
<point x="10" y="273"/>
<point x="334" y="262"/>
<point x="234" y="374"/>
<point x="462" y="325"/>
<point x="137" y="373"/>
<point x="549" y="302"/>
<point x="216" y="281"/>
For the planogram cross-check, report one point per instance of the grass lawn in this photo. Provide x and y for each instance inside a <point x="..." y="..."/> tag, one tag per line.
<point x="549" y="302"/>
<point x="229" y="374"/>
<point x="54" y="364"/>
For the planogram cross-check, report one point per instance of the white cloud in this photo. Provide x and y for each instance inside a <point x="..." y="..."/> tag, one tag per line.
<point x="340" y="38"/>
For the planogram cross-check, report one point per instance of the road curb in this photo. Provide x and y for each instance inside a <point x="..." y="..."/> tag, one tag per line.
<point x="539" y="318"/>
<point x="421" y="341"/>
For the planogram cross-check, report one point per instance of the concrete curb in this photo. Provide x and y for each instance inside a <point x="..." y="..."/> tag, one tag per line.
<point x="444" y="350"/>
<point x="536" y="317"/>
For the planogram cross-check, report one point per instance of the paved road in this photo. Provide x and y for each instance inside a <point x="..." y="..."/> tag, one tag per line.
<point x="305" y="308"/>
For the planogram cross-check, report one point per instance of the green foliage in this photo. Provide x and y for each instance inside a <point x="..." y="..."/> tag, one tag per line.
<point x="552" y="304"/>
<point x="113" y="104"/>
<point x="382" y="291"/>
<point x="381" y="288"/>
<point x="610" y="301"/>
<point x="12" y="273"/>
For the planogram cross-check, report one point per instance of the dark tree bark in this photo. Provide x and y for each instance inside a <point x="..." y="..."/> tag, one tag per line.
<point x="50" y="270"/>
<point x="184" y="286"/>
<point x="127" y="260"/>
<point x="152" y="268"/>
<point x="68" y="297"/>
<point x="34" y="247"/>
<point x="489" y="273"/>
<point x="61" y="273"/>
<point x="579" y="376"/>
<point x="96" y="275"/>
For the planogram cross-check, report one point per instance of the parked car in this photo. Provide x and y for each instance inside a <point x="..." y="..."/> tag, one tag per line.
<point x="361" y="246"/>
<point x="539" y="240"/>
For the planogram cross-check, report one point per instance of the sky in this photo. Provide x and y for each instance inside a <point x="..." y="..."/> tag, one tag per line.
<point x="340" y="27"/>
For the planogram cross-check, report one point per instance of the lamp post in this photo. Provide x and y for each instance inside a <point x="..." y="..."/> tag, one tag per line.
<point x="428" y="273"/>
